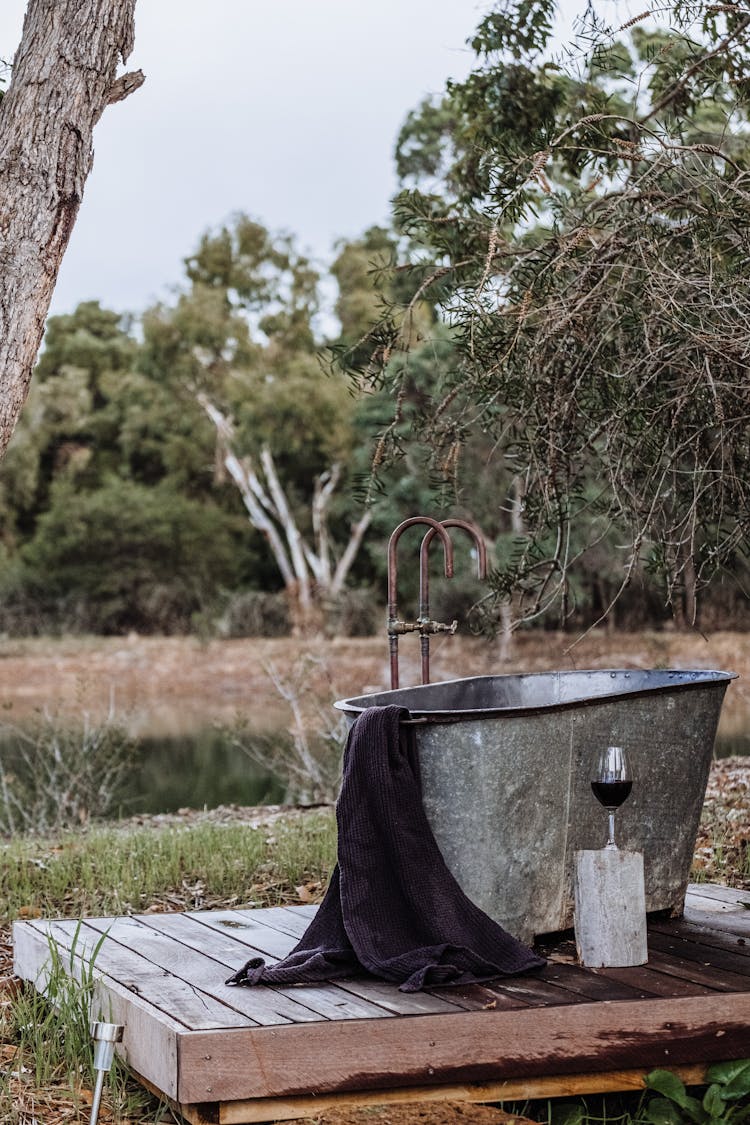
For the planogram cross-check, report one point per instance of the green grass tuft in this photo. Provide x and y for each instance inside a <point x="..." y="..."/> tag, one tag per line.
<point x="111" y="870"/>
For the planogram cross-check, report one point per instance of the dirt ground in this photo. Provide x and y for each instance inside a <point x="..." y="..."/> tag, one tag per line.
<point x="174" y="685"/>
<point x="423" y="1113"/>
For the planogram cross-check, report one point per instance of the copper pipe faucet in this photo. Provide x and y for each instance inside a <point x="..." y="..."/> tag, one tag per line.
<point x="395" y="626"/>
<point x="427" y="627"/>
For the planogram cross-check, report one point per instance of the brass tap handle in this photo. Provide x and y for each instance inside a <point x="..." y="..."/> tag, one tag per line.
<point x="397" y="628"/>
<point x="428" y="628"/>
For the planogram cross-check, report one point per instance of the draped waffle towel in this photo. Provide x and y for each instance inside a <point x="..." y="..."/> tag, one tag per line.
<point x="392" y="908"/>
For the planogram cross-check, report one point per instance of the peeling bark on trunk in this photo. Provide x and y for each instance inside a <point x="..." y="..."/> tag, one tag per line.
<point x="64" y="76"/>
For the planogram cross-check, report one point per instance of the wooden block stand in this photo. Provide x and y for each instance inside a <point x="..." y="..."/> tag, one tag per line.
<point x="610" y="908"/>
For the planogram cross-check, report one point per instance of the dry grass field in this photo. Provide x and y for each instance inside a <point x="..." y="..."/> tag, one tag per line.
<point x="174" y="685"/>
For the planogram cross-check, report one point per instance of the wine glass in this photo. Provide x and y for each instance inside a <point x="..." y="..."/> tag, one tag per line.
<point x="611" y="784"/>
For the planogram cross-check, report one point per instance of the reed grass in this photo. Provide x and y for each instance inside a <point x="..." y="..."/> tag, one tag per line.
<point x="45" y="1038"/>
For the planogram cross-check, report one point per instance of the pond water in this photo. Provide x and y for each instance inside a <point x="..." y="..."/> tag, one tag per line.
<point x="203" y="770"/>
<point x="52" y="774"/>
<point x="206" y="770"/>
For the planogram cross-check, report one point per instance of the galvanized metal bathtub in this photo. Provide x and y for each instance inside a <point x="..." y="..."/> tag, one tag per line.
<point x="506" y="764"/>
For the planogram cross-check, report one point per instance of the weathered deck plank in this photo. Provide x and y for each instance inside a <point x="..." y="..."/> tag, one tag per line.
<point x="183" y="1000"/>
<point x="263" y="1006"/>
<point x="240" y="1055"/>
<point x="265" y="1109"/>
<point x="719" y="908"/>
<point x="683" y="948"/>
<point x="692" y="932"/>
<point x="328" y="1001"/>
<point x="730" y="921"/>
<point x="252" y="937"/>
<point x="730" y="897"/>
<point x="656" y="983"/>
<point x="463" y="1047"/>
<point x="151" y="1034"/>
<point x="687" y="969"/>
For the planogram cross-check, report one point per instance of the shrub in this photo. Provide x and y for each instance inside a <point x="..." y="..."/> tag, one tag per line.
<point x="58" y="774"/>
<point x="125" y="557"/>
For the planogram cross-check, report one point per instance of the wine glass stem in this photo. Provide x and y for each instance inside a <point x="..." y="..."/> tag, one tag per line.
<point x="611" y="840"/>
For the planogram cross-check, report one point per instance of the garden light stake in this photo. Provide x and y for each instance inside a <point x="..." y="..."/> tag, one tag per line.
<point x="105" y="1035"/>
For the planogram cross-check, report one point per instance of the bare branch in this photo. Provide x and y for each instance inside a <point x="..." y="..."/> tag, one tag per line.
<point x="350" y="553"/>
<point x="253" y="494"/>
<point x="289" y="526"/>
<point x="125" y="85"/>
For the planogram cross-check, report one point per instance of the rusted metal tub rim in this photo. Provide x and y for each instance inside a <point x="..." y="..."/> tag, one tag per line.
<point x="666" y="680"/>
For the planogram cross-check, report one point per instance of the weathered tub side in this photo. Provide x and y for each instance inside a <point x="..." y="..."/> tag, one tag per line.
<point x="506" y="764"/>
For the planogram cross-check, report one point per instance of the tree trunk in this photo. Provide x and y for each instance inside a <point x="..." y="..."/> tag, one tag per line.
<point x="507" y="609"/>
<point x="688" y="594"/>
<point x="64" y="76"/>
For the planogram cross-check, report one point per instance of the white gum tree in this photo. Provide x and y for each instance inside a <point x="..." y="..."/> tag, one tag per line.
<point x="305" y="563"/>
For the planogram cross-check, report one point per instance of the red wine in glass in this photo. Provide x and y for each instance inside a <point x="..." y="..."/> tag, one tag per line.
<point x="611" y="794"/>
<point x="611" y="784"/>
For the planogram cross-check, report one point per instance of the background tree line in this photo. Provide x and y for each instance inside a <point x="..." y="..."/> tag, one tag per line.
<point x="550" y="340"/>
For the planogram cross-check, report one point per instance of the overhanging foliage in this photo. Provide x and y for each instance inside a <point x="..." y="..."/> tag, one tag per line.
<point x="584" y="226"/>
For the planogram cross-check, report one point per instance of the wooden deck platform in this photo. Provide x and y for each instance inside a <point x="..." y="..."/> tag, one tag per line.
<point x="232" y="1055"/>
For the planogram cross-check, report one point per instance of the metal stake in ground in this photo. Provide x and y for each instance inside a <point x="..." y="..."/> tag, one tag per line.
<point x="105" y="1035"/>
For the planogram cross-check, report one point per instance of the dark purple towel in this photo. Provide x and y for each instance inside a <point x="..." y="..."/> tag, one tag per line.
<point x="392" y="907"/>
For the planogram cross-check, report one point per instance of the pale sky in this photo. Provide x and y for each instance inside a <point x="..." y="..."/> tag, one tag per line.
<point x="286" y="109"/>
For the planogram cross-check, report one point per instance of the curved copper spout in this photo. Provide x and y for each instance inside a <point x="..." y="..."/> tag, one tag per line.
<point x="424" y="582"/>
<point x="424" y="575"/>
<point x="395" y="627"/>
